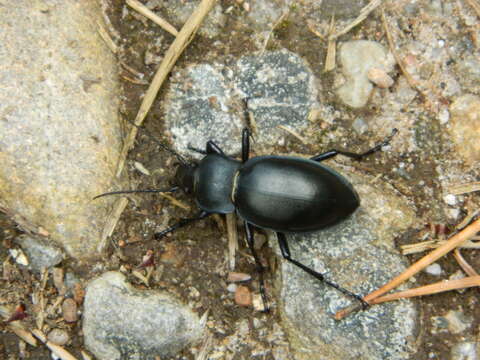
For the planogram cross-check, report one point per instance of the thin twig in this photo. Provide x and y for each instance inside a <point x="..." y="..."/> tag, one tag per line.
<point x="464" y="188"/>
<point x="106" y="38"/>
<point x="475" y="6"/>
<point x="411" y="81"/>
<point x="430" y="289"/>
<point x="451" y="244"/>
<point x="331" y="49"/>
<point x="174" y="201"/>
<point x="142" y="9"/>
<point x="184" y="37"/>
<point x="433" y="244"/>
<point x="362" y="16"/>
<point x="293" y="133"/>
<point x="469" y="270"/>
<point x="272" y="29"/>
<point x="232" y="239"/>
<point x="111" y="222"/>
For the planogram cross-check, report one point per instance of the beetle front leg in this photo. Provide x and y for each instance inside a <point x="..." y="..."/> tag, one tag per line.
<point x="250" y="242"/>
<point x="245" y="145"/>
<point x="282" y="242"/>
<point x="331" y="153"/>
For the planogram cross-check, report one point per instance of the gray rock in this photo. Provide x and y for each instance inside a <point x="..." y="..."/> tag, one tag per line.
<point x="279" y="87"/>
<point x="120" y="322"/>
<point x="41" y="253"/>
<point x="465" y="351"/>
<point x="341" y="9"/>
<point x="356" y="58"/>
<point x="263" y="14"/>
<point x="465" y="115"/>
<point x="59" y="135"/>
<point x="358" y="254"/>
<point x="201" y="112"/>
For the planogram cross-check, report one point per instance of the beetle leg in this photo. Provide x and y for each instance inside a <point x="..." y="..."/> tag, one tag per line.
<point x="331" y="153"/>
<point x="213" y="148"/>
<point x="245" y="144"/>
<point x="197" y="150"/>
<point x="180" y="224"/>
<point x="249" y="235"/>
<point x="282" y="242"/>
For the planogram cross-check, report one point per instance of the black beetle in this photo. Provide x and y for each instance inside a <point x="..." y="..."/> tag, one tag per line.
<point x="279" y="193"/>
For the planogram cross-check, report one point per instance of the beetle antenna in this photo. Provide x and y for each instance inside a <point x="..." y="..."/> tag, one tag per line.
<point x="173" y="189"/>
<point x="163" y="146"/>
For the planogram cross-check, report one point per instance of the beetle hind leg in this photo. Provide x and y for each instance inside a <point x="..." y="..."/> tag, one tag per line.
<point x="282" y="242"/>
<point x="249" y="235"/>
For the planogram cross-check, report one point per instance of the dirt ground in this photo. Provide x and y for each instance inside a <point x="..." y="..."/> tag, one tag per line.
<point x="192" y="260"/>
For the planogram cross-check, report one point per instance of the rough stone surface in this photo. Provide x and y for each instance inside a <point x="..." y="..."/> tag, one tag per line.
<point x="120" y="322"/>
<point x="180" y="11"/>
<point x="357" y="58"/>
<point x="359" y="255"/>
<point x="465" y="127"/>
<point x="59" y="136"/>
<point x="467" y="350"/>
<point x="41" y="254"/>
<point x="279" y="87"/>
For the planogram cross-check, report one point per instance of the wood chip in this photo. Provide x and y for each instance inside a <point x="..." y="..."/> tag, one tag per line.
<point x="238" y="277"/>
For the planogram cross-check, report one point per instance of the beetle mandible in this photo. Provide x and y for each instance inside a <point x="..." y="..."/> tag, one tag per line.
<point x="279" y="193"/>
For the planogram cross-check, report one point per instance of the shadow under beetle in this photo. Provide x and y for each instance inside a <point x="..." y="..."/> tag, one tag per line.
<point x="279" y="193"/>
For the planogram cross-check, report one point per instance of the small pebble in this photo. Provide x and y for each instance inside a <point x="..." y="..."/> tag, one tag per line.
<point x="257" y="302"/>
<point x="450" y="199"/>
<point x="380" y="78"/>
<point x="434" y="269"/>
<point x="19" y="256"/>
<point x="69" y="309"/>
<point x="238" y="277"/>
<point x="58" y="336"/>
<point x="243" y="296"/>
<point x="232" y="288"/>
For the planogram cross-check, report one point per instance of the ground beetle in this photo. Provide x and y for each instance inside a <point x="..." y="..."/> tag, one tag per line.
<point x="279" y="193"/>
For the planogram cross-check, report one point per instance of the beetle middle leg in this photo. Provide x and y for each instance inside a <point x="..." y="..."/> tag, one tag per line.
<point x="181" y="223"/>
<point x="282" y="242"/>
<point x="331" y="153"/>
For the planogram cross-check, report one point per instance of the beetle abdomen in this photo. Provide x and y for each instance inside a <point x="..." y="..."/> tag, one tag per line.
<point x="290" y="194"/>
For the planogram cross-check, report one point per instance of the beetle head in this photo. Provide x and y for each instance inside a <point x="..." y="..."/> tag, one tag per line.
<point x="184" y="177"/>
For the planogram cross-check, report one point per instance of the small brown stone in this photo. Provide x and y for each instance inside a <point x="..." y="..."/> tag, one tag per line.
<point x="243" y="296"/>
<point x="69" y="309"/>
